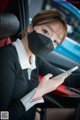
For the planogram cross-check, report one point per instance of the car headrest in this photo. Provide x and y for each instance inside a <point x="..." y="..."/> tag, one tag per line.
<point x="9" y="25"/>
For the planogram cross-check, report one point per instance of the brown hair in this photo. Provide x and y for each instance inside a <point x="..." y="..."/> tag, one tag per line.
<point x="49" y="16"/>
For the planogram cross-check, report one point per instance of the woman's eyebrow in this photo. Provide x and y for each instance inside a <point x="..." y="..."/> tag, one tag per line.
<point x="50" y="28"/>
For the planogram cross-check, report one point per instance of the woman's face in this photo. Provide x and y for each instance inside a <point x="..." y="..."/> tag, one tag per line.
<point x="53" y="31"/>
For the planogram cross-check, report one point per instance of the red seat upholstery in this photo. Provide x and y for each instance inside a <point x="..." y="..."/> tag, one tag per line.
<point x="5" y="42"/>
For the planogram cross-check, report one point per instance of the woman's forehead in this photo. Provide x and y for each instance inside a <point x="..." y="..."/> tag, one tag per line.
<point x="56" y="27"/>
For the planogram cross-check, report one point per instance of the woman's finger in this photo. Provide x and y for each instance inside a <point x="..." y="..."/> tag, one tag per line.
<point x="48" y="76"/>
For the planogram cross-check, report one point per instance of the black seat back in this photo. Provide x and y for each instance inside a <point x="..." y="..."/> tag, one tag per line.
<point x="9" y="25"/>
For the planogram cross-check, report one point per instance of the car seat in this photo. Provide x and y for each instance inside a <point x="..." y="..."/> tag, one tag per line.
<point x="9" y="26"/>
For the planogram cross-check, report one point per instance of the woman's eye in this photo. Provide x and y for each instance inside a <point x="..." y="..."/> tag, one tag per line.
<point x="56" y="42"/>
<point x="45" y="31"/>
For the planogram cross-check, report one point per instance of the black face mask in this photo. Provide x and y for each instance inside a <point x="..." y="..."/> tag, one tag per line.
<point x="39" y="44"/>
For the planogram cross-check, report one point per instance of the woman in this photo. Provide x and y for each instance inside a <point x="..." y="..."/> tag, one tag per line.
<point x="21" y="63"/>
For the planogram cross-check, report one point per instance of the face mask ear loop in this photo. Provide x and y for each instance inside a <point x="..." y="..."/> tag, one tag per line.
<point x="33" y="28"/>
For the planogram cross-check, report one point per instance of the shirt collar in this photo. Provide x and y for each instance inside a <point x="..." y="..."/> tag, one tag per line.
<point x="23" y="58"/>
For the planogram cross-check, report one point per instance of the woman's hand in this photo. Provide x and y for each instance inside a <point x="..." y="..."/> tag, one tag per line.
<point x="47" y="85"/>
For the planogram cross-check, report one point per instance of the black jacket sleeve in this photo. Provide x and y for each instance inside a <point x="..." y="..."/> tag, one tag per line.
<point x="45" y="67"/>
<point x="7" y="80"/>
